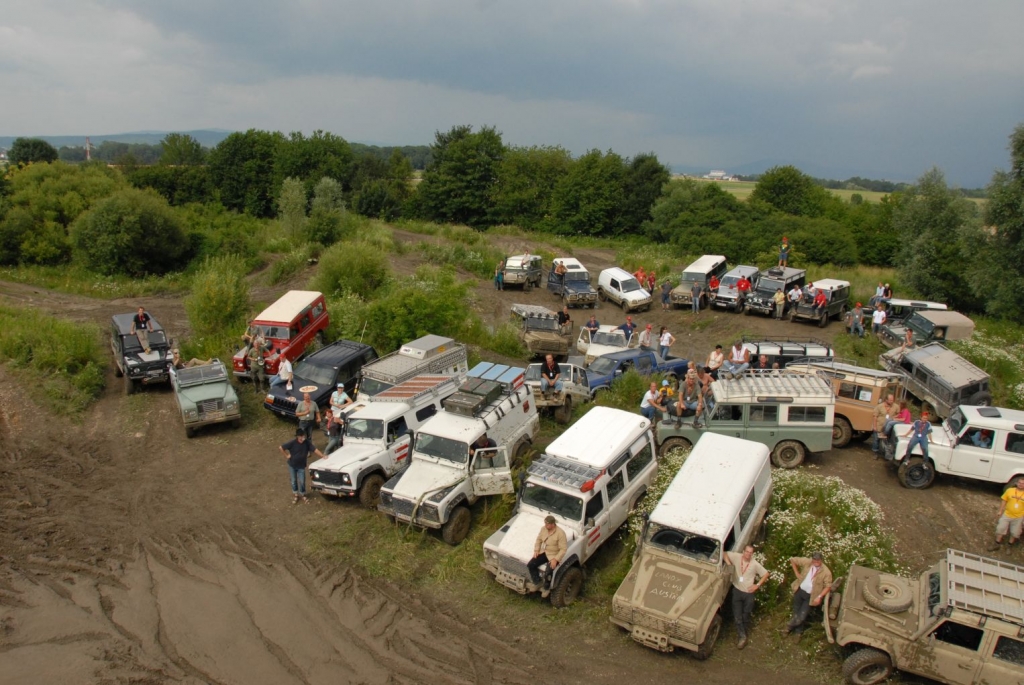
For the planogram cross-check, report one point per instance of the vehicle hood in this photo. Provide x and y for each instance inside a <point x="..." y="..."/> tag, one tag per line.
<point x="156" y="356"/>
<point x="345" y="456"/>
<point x="520" y="533"/>
<point x="579" y="288"/>
<point x="637" y="296"/>
<point x="218" y="390"/>
<point x="551" y="336"/>
<point x="673" y="589"/>
<point x="295" y="394"/>
<point x="728" y="291"/>
<point x="426" y="477"/>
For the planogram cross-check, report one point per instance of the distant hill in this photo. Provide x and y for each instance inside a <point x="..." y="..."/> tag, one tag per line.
<point x="809" y="168"/>
<point x="206" y="138"/>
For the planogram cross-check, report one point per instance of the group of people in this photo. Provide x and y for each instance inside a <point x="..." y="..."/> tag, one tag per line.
<point x="298" y="450"/>
<point x="647" y="338"/>
<point x="646" y="279"/>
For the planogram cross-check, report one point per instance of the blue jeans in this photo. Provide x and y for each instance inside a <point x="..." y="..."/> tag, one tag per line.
<point x="298" y="479"/>
<point x="695" y="305"/>
<point x="545" y="384"/>
<point x="857" y="328"/>
<point x="876" y="441"/>
<point x="922" y="441"/>
<point x="735" y="368"/>
<point x="277" y="380"/>
<point x="663" y="350"/>
<point x="649" y="413"/>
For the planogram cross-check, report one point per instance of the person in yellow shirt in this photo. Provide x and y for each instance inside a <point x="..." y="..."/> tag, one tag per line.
<point x="1011" y="515"/>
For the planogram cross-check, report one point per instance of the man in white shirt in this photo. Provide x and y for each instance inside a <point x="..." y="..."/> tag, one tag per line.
<point x="284" y="373"/>
<point x="747" y="578"/>
<point x="738" y="362"/>
<point x="878" y="318"/>
<point x="651" y="404"/>
<point x="813" y="582"/>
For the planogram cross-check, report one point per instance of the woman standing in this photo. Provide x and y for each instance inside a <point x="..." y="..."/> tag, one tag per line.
<point x="665" y="340"/>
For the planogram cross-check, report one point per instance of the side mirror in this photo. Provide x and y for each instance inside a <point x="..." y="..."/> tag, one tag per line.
<point x="618" y="372"/>
<point x="589" y="523"/>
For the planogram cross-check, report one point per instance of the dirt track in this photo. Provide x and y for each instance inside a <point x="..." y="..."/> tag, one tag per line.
<point x="130" y="554"/>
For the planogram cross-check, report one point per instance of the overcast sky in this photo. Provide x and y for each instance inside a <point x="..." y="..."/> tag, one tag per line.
<point x="880" y="88"/>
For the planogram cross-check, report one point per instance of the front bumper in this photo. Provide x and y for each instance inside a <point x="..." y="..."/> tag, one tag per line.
<point x="330" y="483"/>
<point x="149" y="376"/>
<point x="401" y="509"/>
<point x="211" y="418"/>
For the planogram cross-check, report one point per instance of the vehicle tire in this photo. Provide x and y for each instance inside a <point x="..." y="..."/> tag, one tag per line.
<point x="835" y="602"/>
<point x="117" y="370"/>
<point x="842" y="432"/>
<point x="706" y="649"/>
<point x="520" y="453"/>
<point x="601" y="296"/>
<point x="528" y="286"/>
<point x="129" y="386"/>
<point x="788" y="454"/>
<point x="867" y="666"/>
<point x="981" y="399"/>
<point x="625" y="305"/>
<point x="637" y="500"/>
<point x="190" y="432"/>
<point x="674" y="444"/>
<point x="457" y="528"/>
<point x="823" y="322"/>
<point x="564" y="413"/>
<point x="316" y="343"/>
<point x="760" y="534"/>
<point x="236" y="424"/>
<point x="747" y="311"/>
<point x="568" y="588"/>
<point x="369" y="492"/>
<point x="916" y="473"/>
<point x="890" y="595"/>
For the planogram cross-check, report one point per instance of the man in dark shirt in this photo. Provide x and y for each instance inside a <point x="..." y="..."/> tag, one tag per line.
<point x="141" y="328"/>
<point x="296" y="453"/>
<point x="564" y="320"/>
<point x="550" y="375"/>
<point x="593" y="326"/>
<point x="628" y="327"/>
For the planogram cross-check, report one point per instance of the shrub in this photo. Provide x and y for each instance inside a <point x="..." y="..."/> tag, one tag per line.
<point x="133" y="232"/>
<point x="289" y="265"/>
<point x="219" y="300"/>
<point x="478" y="260"/>
<point x="352" y="267"/>
<point x="431" y="301"/>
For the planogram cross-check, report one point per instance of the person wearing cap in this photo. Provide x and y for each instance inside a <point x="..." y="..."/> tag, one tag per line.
<point x="296" y="453"/>
<point x="628" y="327"/>
<point x="647" y="337"/>
<point x="339" y="400"/>
<point x="784" y="252"/>
<point x="548" y="548"/>
<point x="308" y="413"/>
<point x="813" y="582"/>
<point x="920" y="434"/>
<point x="855" y="321"/>
<point x="748" y="575"/>
<point x="652" y="280"/>
<point x="666" y="391"/>
<point x="779" y="298"/>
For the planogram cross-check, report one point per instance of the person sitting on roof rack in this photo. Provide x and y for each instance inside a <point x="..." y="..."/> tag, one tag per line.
<point x="738" y="362"/>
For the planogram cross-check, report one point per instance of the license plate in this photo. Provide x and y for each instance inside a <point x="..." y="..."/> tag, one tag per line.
<point x="651" y="639"/>
<point x="213" y="415"/>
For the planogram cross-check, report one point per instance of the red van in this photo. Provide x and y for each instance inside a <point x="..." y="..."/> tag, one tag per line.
<point x="295" y="322"/>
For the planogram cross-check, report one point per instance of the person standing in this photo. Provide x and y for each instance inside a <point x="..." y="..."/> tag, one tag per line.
<point x="813" y="582"/>
<point x="784" y="252"/>
<point x="641" y="276"/>
<point x="499" y="276"/>
<point x="920" y="434"/>
<point x="652" y="280"/>
<point x="780" y="303"/>
<point x="878" y="318"/>
<point x="548" y="548"/>
<point x="1010" y="518"/>
<point x="695" y="291"/>
<point x="142" y="326"/>
<point x="296" y="453"/>
<point x="715" y="361"/>
<point x="651" y="404"/>
<point x="748" y="575"/>
<point x="257" y="365"/>
<point x="308" y="414"/>
<point x="647" y="338"/>
<point x="883" y="412"/>
<point x="666" y="295"/>
<point x="628" y="328"/>
<point x="857" y="321"/>
<point x="665" y="342"/>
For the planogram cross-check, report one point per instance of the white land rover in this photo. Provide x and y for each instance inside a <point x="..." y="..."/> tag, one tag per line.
<point x="378" y="435"/>
<point x="588" y="479"/>
<point x="447" y="475"/>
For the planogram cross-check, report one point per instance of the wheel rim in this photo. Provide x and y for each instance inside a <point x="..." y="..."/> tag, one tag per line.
<point x="788" y="455"/>
<point x="917" y="474"/>
<point x="837" y="433"/>
<point x="373" y="491"/>
<point x="572" y="589"/>
<point x="870" y="673"/>
<point x="461" y="527"/>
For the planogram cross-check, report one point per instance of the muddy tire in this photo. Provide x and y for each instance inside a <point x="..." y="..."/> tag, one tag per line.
<point x="236" y="424"/>
<point x="520" y="453"/>
<point x="788" y="454"/>
<point x="835" y="603"/>
<point x="129" y="386"/>
<point x="867" y="667"/>
<point x="369" y="493"/>
<point x="568" y="588"/>
<point x="916" y="473"/>
<point x="706" y="649"/>
<point x="823" y="321"/>
<point x="625" y="305"/>
<point x="674" y="444"/>
<point x="564" y="413"/>
<point x="457" y="528"/>
<point x="888" y="595"/>
<point x="842" y="432"/>
<point x="190" y="432"/>
<point x="601" y="296"/>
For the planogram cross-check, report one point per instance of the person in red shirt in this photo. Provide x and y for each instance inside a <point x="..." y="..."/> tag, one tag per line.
<point x="743" y="285"/>
<point x="652" y="280"/>
<point x="640" y="276"/>
<point x="820" y="303"/>
<point x="713" y="283"/>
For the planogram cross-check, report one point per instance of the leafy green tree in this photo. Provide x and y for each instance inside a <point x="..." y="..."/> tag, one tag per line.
<point x="180" y="185"/>
<point x="181" y="149"/>
<point x="326" y="213"/>
<point x="457" y="186"/>
<point x="430" y="301"/>
<point x="219" y="299"/>
<point x="30" y="150"/>
<point x="527" y="177"/>
<point x="939" y="236"/>
<point x="242" y="170"/>
<point x="291" y="209"/>
<point x="357" y="268"/>
<point x="132" y="232"/>
<point x="311" y="159"/>
<point x="644" y="179"/>
<point x="588" y="199"/>
<point x="789" y="190"/>
<point x="1000" y="280"/>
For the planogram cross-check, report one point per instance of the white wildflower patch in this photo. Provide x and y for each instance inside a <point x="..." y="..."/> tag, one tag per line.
<point x="1002" y="358"/>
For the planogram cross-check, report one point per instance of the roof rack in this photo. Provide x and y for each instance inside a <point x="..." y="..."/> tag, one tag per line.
<point x="785" y="341"/>
<point x="562" y="471"/>
<point x="415" y="388"/>
<point x="771" y="383"/>
<point x="525" y="310"/>
<point x="985" y="586"/>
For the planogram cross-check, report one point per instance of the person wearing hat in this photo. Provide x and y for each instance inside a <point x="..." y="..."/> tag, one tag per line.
<point x="855" y="321"/>
<point x="813" y="582"/>
<point x="548" y="548"/>
<point x="628" y="327"/>
<point x="666" y="391"/>
<point x="339" y="400"/>
<point x="784" y="252"/>
<point x="296" y="453"/>
<point x="647" y="338"/>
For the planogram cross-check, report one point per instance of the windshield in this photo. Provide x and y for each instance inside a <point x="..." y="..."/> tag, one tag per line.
<point x="691" y="276"/>
<point x="566" y="506"/>
<point x="685" y="544"/>
<point x="629" y="285"/>
<point x="577" y="277"/>
<point x="276" y="332"/>
<point x="602" y="366"/>
<point x="921" y="324"/>
<point x="156" y="339"/>
<point x="370" y="429"/>
<point x="613" y="338"/>
<point x="729" y="281"/>
<point x="540" y="323"/>
<point x="319" y="375"/>
<point x="769" y="285"/>
<point x="371" y="387"/>
<point x="442" y="448"/>
<point x="956" y="421"/>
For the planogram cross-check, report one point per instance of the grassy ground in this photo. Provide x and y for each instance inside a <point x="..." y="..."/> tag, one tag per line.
<point x="743" y="189"/>
<point x="78" y="281"/>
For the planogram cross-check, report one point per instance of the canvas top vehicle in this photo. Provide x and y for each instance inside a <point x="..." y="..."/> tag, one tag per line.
<point x="574" y="285"/>
<point x="607" y="339"/>
<point x="619" y="286"/>
<point x="296" y="322"/>
<point x="700" y="271"/>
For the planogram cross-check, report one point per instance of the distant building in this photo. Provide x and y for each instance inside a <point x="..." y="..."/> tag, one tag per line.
<point x="719" y="175"/>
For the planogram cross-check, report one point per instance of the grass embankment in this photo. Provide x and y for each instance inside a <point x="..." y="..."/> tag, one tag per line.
<point x="59" y="361"/>
<point x="79" y="281"/>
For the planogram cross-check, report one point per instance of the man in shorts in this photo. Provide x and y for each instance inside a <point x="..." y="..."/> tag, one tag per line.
<point x="1010" y="518"/>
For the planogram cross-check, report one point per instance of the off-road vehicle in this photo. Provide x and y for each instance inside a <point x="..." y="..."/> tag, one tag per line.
<point x="960" y="622"/>
<point x="837" y="294"/>
<point x="673" y="594"/>
<point x="762" y="300"/>
<point x="928" y="326"/>
<point x="619" y="286"/>
<point x="431" y="355"/>
<point x="378" y="436"/>
<point x="575" y="389"/>
<point x="898" y="310"/>
<point x="448" y="474"/>
<point x="858" y="391"/>
<point x="606" y="339"/>
<point x="205" y="396"/>
<point x="788" y="351"/>
<point x="728" y="295"/>
<point x="573" y="286"/>
<point x="292" y="326"/>
<point x="589" y="479"/>
<point x="790" y="414"/>
<point x="935" y="374"/>
<point x="319" y="374"/>
<point x="540" y="332"/>
<point x="137" y="366"/>
<point x="523" y="270"/>
<point x="701" y="272"/>
<point x="608" y="367"/>
<point x="984" y="443"/>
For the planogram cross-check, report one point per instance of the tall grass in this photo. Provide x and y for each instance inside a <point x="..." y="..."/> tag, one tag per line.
<point x="63" y="359"/>
<point x="77" y="280"/>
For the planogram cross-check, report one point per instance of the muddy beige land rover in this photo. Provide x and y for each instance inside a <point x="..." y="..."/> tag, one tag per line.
<point x="960" y="622"/>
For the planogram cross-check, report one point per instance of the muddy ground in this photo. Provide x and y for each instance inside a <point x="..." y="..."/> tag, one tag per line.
<point x="129" y="554"/>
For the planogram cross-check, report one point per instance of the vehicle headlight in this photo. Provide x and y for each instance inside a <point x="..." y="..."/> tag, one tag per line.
<point x="231" y="405"/>
<point x="490" y="555"/>
<point x="345" y="479"/>
<point x="191" y="414"/>
<point x="269" y="399"/>
<point x="315" y="475"/>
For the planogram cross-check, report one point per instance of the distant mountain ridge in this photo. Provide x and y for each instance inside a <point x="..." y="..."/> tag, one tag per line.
<point x="809" y="168"/>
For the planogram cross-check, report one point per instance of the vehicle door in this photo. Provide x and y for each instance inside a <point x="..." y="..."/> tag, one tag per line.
<point x="490" y="472"/>
<point x="634" y="341"/>
<point x="1004" y="662"/>
<point x="583" y="343"/>
<point x="950" y="653"/>
<point x="596" y="526"/>
<point x="644" y="365"/>
<point x="616" y="290"/>
<point x="727" y="419"/>
<point x="967" y="458"/>
<point x="555" y="283"/>
<point x="580" y="378"/>
<point x="398" y="438"/>
<point x="763" y="424"/>
<point x="618" y="502"/>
